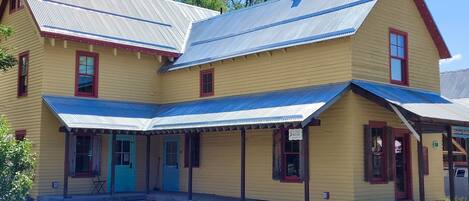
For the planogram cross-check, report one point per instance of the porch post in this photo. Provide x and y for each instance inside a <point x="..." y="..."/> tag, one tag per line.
<point x="148" y="164"/>
<point x="66" y="163"/>
<point x="449" y="145"/>
<point x="113" y="163"/>
<point x="189" y="169"/>
<point x="306" y="162"/>
<point x="467" y="161"/>
<point x="421" y="167"/>
<point x="243" y="164"/>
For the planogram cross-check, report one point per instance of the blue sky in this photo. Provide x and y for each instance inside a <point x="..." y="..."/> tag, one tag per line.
<point x="452" y="17"/>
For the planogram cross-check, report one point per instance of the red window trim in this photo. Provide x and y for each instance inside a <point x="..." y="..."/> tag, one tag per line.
<point x="383" y="179"/>
<point x="20" y="71"/>
<point x="96" y="73"/>
<point x="18" y="7"/>
<point x="405" y="76"/>
<point x="284" y="178"/>
<point x="202" y="73"/>
<point x="90" y="162"/>
<point x="20" y="134"/>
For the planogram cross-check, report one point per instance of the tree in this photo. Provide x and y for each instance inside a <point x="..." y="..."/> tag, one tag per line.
<point x="7" y="60"/>
<point x="17" y="164"/>
<point x="238" y="4"/>
<point x="210" y="4"/>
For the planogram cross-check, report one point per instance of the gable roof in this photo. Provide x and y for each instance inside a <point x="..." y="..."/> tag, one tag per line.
<point x="272" y="25"/>
<point x="153" y="26"/>
<point x="455" y="84"/>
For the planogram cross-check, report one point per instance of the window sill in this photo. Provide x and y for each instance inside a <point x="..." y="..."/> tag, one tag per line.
<point x="291" y="180"/>
<point x="86" y="95"/>
<point x="206" y="95"/>
<point x="378" y="182"/>
<point x="399" y="83"/>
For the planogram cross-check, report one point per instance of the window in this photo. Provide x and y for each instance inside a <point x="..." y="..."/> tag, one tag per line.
<point x="83" y="156"/>
<point x="23" y="69"/>
<point x="122" y="152"/>
<point x="207" y="83"/>
<point x="287" y="157"/>
<point x="195" y="150"/>
<point x="20" y="135"/>
<point x="87" y="74"/>
<point x="377" y="152"/>
<point x="398" y="57"/>
<point x="16" y="5"/>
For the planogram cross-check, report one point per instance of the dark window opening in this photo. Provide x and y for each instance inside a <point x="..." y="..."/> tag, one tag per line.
<point x="20" y="135"/>
<point x="87" y="74"/>
<point x="84" y="156"/>
<point x="291" y="158"/>
<point x="16" y="5"/>
<point x="207" y="83"/>
<point x="398" y="57"/>
<point x="195" y="150"/>
<point x="23" y="69"/>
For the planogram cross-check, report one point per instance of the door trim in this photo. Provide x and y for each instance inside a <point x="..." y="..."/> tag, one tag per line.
<point x="400" y="132"/>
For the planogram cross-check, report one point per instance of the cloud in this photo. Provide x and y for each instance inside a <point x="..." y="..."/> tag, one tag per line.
<point x="456" y="57"/>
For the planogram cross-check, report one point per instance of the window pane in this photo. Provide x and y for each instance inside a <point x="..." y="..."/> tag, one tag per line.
<point x="394" y="51"/>
<point x="85" y="84"/>
<point x="82" y="164"/>
<point x="293" y="165"/>
<point x="207" y="83"/>
<point x="171" y="153"/>
<point x="126" y="146"/>
<point x="82" y="60"/>
<point x="90" y="61"/>
<point x="396" y="69"/>
<point x="118" y="146"/>
<point x="82" y="69"/>
<point x="90" y="70"/>
<point x="377" y="150"/>
<point x="401" y="52"/>
<point x="400" y="41"/>
<point x="393" y="39"/>
<point x="83" y="154"/>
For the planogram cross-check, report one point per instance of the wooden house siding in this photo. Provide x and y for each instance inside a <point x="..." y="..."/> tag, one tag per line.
<point x="370" y="46"/>
<point x="320" y="63"/>
<point x="23" y="113"/>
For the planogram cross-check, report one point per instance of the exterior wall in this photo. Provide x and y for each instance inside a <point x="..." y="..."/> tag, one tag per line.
<point x="370" y="46"/>
<point x="320" y="63"/>
<point x="25" y="112"/>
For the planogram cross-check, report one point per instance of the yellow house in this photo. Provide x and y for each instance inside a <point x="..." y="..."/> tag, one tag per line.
<point x="285" y="100"/>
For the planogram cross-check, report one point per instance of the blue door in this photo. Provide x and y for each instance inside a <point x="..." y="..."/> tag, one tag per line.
<point x="125" y="163"/>
<point x="170" y="164"/>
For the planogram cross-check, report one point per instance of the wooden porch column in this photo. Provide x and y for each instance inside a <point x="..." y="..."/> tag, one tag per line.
<point x="189" y="169"/>
<point x="449" y="145"/>
<point x="306" y="162"/>
<point x="421" y="167"/>
<point x="148" y="164"/>
<point x="243" y="165"/>
<point x="467" y="161"/>
<point x="113" y="163"/>
<point x="66" y="163"/>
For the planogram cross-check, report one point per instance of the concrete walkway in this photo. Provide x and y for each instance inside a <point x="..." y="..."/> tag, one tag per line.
<point x="154" y="196"/>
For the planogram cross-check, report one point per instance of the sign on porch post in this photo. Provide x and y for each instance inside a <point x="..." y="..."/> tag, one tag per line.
<point x="460" y="132"/>
<point x="295" y="134"/>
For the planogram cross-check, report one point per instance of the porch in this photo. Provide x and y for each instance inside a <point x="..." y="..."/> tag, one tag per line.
<point x="153" y="196"/>
<point x="241" y="117"/>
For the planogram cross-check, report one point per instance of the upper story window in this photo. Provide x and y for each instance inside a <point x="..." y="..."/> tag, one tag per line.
<point x="207" y="83"/>
<point x="23" y="69"/>
<point x="86" y="74"/>
<point x="398" y="57"/>
<point x="16" y="5"/>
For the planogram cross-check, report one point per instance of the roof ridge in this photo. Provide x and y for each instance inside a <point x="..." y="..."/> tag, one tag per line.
<point x="454" y="71"/>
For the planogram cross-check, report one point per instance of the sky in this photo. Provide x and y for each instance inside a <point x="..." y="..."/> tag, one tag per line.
<point x="452" y="18"/>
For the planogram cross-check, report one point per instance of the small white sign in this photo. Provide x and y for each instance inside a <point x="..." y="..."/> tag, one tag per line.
<point x="295" y="134"/>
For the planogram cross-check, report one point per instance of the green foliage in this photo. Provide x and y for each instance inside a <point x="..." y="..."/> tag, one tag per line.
<point x="210" y="4"/>
<point x="238" y="4"/>
<point x="7" y="60"/>
<point x="17" y="164"/>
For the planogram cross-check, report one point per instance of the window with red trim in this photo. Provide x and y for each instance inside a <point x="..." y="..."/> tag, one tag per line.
<point x="20" y="135"/>
<point x="398" y="57"/>
<point x="23" y="69"/>
<point x="84" y="156"/>
<point x="291" y="158"/>
<point x="207" y="83"/>
<point x="86" y="83"/>
<point x="378" y="152"/>
<point x="16" y="5"/>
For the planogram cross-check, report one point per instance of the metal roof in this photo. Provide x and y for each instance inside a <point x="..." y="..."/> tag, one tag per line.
<point x="153" y="24"/>
<point x="419" y="102"/>
<point x="455" y="84"/>
<point x="271" y="25"/>
<point x="294" y="105"/>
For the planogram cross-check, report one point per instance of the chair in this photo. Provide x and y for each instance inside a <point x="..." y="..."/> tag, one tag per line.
<point x="98" y="185"/>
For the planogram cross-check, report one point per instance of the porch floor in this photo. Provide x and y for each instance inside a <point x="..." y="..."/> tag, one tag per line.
<point x="154" y="196"/>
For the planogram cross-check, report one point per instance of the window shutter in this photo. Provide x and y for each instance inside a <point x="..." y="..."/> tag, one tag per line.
<point x="277" y="155"/>
<point x="390" y="158"/>
<point x="96" y="155"/>
<point x="367" y="152"/>
<point x="302" y="161"/>
<point x="72" y="154"/>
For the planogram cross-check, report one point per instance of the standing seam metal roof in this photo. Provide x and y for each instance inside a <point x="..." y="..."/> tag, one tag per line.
<point x="455" y="84"/>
